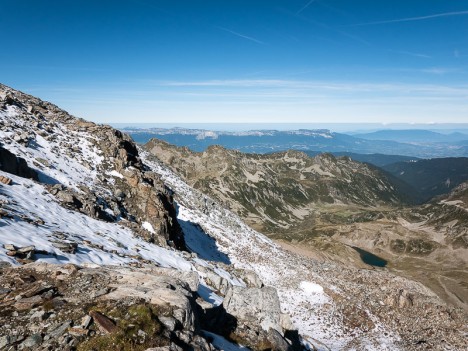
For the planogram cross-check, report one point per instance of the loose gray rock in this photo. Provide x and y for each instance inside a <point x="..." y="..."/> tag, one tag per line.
<point x="60" y="330"/>
<point x="32" y="341"/>
<point x="254" y="306"/>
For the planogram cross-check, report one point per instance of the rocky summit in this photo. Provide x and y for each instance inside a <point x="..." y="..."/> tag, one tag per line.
<point x="105" y="247"/>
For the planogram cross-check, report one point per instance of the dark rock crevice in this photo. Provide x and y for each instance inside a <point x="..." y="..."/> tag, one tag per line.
<point x="10" y="163"/>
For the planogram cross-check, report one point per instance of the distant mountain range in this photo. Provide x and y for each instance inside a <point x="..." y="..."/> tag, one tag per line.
<point x="413" y="136"/>
<point x="320" y="140"/>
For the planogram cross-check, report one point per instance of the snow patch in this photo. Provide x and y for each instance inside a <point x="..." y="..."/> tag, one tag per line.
<point x="116" y="174"/>
<point x="148" y="227"/>
<point x="311" y="288"/>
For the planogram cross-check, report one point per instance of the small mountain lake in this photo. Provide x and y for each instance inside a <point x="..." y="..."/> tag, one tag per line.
<point x="370" y="258"/>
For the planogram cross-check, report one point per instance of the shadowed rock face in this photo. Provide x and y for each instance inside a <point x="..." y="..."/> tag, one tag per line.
<point x="16" y="165"/>
<point x="142" y="196"/>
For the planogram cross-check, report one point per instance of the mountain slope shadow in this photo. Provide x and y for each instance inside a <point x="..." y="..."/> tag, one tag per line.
<point x="201" y="243"/>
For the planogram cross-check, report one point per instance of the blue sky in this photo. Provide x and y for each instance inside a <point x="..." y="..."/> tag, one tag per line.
<point x="241" y="61"/>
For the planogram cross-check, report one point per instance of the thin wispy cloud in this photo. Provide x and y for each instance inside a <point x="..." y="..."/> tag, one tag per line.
<point x="332" y="29"/>
<point x="241" y="35"/>
<point x="343" y="87"/>
<point x="438" y="70"/>
<point x="411" y="19"/>
<point x="305" y="6"/>
<point x="409" y="53"/>
<point x="354" y="37"/>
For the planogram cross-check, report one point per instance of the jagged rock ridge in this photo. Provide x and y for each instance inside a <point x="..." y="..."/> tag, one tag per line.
<point x="119" y="184"/>
<point x="278" y="190"/>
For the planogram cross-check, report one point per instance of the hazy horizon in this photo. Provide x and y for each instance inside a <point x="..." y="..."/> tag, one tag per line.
<point x="445" y="128"/>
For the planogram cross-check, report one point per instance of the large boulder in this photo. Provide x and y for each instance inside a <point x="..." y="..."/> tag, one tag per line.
<point x="254" y="306"/>
<point x="254" y="319"/>
<point x="10" y="163"/>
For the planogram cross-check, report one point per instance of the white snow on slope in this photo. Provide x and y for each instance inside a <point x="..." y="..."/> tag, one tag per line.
<point x="27" y="198"/>
<point x="311" y="288"/>
<point x="67" y="169"/>
<point x="223" y="344"/>
<point x="98" y="242"/>
<point x="148" y="227"/>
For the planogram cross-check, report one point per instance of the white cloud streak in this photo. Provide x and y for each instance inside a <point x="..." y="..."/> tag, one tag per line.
<point x="414" y="54"/>
<point x="411" y="19"/>
<point x="305" y="6"/>
<point x="344" y="87"/>
<point x="241" y="35"/>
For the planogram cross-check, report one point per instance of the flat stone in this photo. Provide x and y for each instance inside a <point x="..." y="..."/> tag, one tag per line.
<point x="169" y="322"/>
<point x="4" y="341"/>
<point x="26" y="249"/>
<point x="9" y="339"/>
<point x="66" y="247"/>
<point x="28" y="303"/>
<point x="32" y="341"/>
<point x="101" y="292"/>
<point x="78" y="331"/>
<point x="39" y="315"/>
<point x="59" y="330"/>
<point x="104" y="323"/>
<point x="4" y="291"/>
<point x="86" y="322"/>
<point x="5" y="180"/>
<point x="9" y="247"/>
<point x="36" y="289"/>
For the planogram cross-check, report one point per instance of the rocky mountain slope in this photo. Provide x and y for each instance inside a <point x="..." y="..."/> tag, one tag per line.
<point x="93" y="257"/>
<point x="336" y="209"/>
<point x="378" y="160"/>
<point x="73" y="192"/>
<point x="278" y="190"/>
<point x="432" y="177"/>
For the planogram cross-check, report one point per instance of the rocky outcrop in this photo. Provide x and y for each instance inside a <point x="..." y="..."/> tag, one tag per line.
<point x="72" y="307"/>
<point x="252" y="317"/>
<point x="254" y="304"/>
<point x="123" y="187"/>
<point x="55" y="307"/>
<point x="259" y="307"/>
<point x="15" y="165"/>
